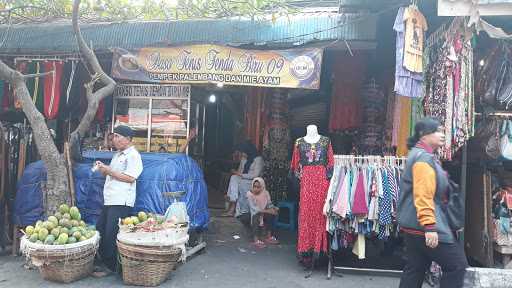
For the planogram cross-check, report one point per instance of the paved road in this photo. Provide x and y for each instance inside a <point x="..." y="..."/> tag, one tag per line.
<point x="227" y="262"/>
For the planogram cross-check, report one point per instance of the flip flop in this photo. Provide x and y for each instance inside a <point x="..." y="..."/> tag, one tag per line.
<point x="259" y="244"/>
<point x="272" y="240"/>
<point x="227" y="214"/>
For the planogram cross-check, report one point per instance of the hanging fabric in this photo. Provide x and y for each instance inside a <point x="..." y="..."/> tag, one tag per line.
<point x="276" y="143"/>
<point x="253" y="115"/>
<point x="362" y="200"/>
<point x="404" y="126"/>
<point x="2" y="90"/>
<point x="38" y="88"/>
<point x="372" y="128"/>
<point x="415" y="27"/>
<point x="52" y="91"/>
<point x="449" y="94"/>
<point x="407" y="83"/>
<point x="345" y="108"/>
<point x="100" y="112"/>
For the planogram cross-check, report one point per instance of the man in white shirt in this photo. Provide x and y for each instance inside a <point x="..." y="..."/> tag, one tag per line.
<point x="119" y="193"/>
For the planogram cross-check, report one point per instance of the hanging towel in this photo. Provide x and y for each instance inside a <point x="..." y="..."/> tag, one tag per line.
<point x="52" y="91"/>
<point x="359" y="207"/>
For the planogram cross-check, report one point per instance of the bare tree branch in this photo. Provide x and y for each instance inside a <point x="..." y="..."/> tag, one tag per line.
<point x="93" y="98"/>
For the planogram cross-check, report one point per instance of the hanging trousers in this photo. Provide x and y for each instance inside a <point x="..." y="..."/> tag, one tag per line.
<point x="450" y="256"/>
<point x="108" y="227"/>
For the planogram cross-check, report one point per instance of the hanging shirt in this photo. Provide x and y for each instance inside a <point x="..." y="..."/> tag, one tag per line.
<point x="415" y="27"/>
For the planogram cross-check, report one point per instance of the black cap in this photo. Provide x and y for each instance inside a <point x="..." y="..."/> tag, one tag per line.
<point x="124" y="131"/>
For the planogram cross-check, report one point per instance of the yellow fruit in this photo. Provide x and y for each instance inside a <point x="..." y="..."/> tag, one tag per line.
<point x="142" y="216"/>
<point x="29" y="230"/>
<point x="77" y="235"/>
<point x="55" y="232"/>
<point x="43" y="233"/>
<point x="128" y="221"/>
<point x="64" y="230"/>
<point x="63" y="208"/>
<point x="63" y="239"/>
<point x="135" y="220"/>
<point x="54" y="220"/>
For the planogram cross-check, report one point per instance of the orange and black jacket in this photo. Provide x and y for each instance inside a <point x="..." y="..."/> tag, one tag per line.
<point x="423" y="186"/>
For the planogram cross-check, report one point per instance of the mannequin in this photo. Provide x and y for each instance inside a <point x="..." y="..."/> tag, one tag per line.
<point x="312" y="163"/>
<point x="312" y="135"/>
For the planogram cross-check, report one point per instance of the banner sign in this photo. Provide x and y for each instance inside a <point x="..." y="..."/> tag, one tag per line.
<point x="294" y="68"/>
<point x="152" y="90"/>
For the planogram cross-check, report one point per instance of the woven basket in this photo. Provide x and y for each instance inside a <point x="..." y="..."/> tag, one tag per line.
<point x="63" y="264"/>
<point x="147" y="265"/>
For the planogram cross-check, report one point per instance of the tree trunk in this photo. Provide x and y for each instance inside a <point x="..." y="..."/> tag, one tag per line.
<point x="57" y="191"/>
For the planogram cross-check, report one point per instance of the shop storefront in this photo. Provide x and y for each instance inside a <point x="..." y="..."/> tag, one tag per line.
<point x="160" y="115"/>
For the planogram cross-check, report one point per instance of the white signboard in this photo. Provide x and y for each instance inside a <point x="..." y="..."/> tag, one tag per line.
<point x="152" y="91"/>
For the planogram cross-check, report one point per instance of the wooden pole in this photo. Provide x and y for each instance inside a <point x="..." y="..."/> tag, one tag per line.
<point x="67" y="156"/>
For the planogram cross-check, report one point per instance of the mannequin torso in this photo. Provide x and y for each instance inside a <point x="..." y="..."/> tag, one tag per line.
<point x="312" y="135"/>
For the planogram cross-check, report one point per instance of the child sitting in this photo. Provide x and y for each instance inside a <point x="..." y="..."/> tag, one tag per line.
<point x="262" y="214"/>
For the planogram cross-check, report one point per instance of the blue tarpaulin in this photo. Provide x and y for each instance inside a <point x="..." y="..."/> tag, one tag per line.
<point x="162" y="172"/>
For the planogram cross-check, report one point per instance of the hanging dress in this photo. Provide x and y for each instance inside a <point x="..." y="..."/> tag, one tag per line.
<point x="313" y="164"/>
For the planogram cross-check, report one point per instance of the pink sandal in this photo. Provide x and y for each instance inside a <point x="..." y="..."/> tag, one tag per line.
<point x="259" y="244"/>
<point x="272" y="240"/>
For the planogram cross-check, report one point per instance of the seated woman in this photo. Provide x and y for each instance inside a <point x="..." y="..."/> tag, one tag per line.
<point x="261" y="215"/>
<point x="251" y="166"/>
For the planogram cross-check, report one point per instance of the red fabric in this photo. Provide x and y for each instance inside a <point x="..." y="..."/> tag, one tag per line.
<point x="52" y="89"/>
<point x="313" y="192"/>
<point x="348" y="73"/>
<point x="6" y="101"/>
<point x="254" y="116"/>
<point x="360" y="206"/>
<point x="100" y="113"/>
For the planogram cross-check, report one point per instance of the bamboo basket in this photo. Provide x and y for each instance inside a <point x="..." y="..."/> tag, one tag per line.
<point x="63" y="263"/>
<point x="147" y="265"/>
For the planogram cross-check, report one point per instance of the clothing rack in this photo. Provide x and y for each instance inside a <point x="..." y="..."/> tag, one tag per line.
<point x="371" y="159"/>
<point x="497" y="114"/>
<point x="363" y="159"/>
<point x="46" y="59"/>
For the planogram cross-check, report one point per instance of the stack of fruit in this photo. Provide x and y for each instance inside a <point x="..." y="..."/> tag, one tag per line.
<point x="148" y="223"/>
<point x="64" y="227"/>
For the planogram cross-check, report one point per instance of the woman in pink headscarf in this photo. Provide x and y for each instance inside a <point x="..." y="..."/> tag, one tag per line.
<point x="262" y="214"/>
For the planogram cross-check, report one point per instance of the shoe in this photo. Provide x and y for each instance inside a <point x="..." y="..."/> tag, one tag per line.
<point x="100" y="272"/>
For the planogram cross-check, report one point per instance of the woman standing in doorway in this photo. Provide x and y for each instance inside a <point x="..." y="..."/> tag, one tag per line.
<point x="427" y="233"/>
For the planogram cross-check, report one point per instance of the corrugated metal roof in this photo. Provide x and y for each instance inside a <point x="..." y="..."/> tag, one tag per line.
<point x="58" y="37"/>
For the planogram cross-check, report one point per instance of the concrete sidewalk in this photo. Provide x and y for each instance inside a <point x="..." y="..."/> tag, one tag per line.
<point x="228" y="262"/>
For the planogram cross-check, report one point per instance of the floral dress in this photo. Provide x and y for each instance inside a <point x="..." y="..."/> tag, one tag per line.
<point x="313" y="165"/>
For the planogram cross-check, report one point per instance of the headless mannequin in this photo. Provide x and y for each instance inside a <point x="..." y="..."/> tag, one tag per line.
<point x="312" y="135"/>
